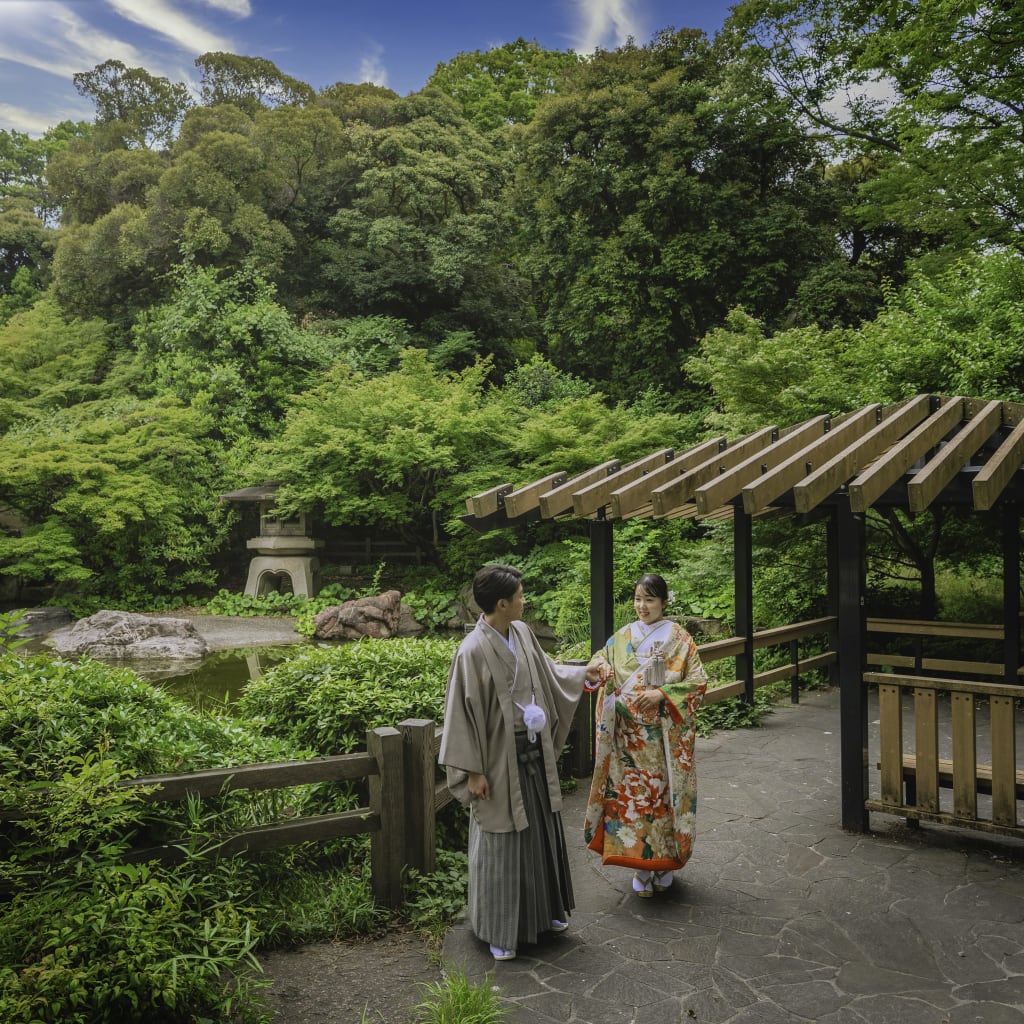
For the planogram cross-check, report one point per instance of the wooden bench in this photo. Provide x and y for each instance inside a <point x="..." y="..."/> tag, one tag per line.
<point x="910" y="782"/>
<point x="982" y="773"/>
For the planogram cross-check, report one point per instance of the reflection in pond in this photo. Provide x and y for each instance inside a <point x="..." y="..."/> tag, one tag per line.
<point x="219" y="679"/>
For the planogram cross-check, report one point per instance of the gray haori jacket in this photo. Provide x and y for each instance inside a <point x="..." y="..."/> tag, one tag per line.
<point x="479" y="720"/>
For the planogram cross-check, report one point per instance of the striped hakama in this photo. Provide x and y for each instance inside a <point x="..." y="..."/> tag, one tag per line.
<point x="519" y="881"/>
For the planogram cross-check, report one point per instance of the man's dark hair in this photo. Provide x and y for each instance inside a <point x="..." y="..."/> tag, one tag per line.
<point x="494" y="582"/>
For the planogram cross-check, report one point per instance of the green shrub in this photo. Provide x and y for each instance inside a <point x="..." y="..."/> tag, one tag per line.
<point x="432" y="902"/>
<point x="88" y="937"/>
<point x="127" y="943"/>
<point x="327" y="698"/>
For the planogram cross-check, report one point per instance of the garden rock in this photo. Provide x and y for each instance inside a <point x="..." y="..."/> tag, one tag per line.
<point x="378" y="617"/>
<point x="407" y="624"/>
<point x="112" y="635"/>
<point x="40" y="621"/>
<point x="467" y="611"/>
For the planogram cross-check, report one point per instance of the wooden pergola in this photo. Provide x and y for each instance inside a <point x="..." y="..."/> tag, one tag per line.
<point x="915" y="455"/>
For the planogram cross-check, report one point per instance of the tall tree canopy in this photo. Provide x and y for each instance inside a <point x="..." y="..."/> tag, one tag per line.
<point x="932" y="89"/>
<point x="247" y="82"/>
<point x="140" y="109"/>
<point x="500" y="87"/>
<point x="661" y="186"/>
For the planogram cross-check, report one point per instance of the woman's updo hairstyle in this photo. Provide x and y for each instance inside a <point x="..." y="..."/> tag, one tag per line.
<point x="653" y="586"/>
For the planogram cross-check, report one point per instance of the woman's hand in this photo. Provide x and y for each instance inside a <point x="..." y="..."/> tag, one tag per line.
<point x="596" y="674"/>
<point x="478" y="788"/>
<point x="649" y="700"/>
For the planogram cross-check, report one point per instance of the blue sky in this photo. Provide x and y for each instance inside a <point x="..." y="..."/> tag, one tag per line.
<point x="396" y="43"/>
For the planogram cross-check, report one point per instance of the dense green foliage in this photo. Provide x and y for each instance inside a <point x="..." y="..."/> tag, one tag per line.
<point x="91" y="936"/>
<point x="540" y="261"/>
<point x="326" y="699"/>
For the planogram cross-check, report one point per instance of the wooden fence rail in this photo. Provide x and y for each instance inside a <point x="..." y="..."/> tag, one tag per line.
<point x="405" y="791"/>
<point x="911" y="782"/>
<point x="919" y="630"/>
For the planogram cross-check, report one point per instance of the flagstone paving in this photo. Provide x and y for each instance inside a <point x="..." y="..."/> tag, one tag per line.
<point x="780" y="916"/>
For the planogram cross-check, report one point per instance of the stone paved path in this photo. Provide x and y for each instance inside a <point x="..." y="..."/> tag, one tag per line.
<point x="781" y="916"/>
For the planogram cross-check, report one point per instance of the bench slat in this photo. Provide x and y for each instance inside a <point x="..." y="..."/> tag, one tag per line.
<point x="891" y="742"/>
<point x="926" y="735"/>
<point x="982" y="774"/>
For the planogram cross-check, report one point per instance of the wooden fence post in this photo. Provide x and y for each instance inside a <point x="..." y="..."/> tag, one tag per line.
<point x="387" y="800"/>
<point x="420" y="850"/>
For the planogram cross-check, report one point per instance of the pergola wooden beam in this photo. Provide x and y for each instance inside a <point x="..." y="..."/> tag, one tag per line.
<point x="837" y="471"/>
<point x="927" y="484"/>
<point x="713" y="495"/>
<point x="558" y="500"/>
<point x="597" y="495"/>
<point x="1000" y="469"/>
<point x="875" y="481"/>
<point x="866" y="452"/>
<point x="488" y="502"/>
<point x="637" y="494"/>
<point x="760" y="494"/>
<point x="668" y="499"/>
<point x="527" y="498"/>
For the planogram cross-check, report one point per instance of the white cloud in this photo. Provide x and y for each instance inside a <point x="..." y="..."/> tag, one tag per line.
<point x="605" y="23"/>
<point x="372" y="69"/>
<point x="53" y="38"/>
<point x="161" y="17"/>
<point x="243" y="8"/>
<point x="33" y="123"/>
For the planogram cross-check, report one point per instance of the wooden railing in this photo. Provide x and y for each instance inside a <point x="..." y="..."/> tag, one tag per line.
<point x="400" y="767"/>
<point x="911" y="782"/>
<point x="790" y="636"/>
<point x="919" y="630"/>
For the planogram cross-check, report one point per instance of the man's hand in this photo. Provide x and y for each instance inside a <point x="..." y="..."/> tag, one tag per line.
<point x="478" y="788"/>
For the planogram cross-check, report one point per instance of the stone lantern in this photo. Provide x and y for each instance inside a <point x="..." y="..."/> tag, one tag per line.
<point x="284" y="550"/>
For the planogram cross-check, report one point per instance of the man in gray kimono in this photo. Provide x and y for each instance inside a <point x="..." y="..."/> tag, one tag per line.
<point x="508" y="712"/>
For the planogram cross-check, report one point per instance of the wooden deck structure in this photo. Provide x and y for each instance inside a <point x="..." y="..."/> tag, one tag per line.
<point x="919" y="454"/>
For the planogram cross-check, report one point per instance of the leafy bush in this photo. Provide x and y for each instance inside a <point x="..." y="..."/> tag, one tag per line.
<point x="88" y="937"/>
<point x="52" y="710"/>
<point x="127" y="943"/>
<point x="432" y="902"/>
<point x="327" y="698"/>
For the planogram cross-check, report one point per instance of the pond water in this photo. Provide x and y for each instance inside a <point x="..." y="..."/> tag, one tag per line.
<point x="215" y="682"/>
<point x="219" y="679"/>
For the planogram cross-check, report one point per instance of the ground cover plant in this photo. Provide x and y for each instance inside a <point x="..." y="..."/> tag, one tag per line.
<point x="87" y="934"/>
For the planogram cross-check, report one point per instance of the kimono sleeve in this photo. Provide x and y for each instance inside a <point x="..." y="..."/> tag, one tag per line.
<point x="464" y="733"/>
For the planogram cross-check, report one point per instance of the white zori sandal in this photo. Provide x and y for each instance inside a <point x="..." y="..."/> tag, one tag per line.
<point x="663" y="880"/>
<point x="502" y="954"/>
<point x="643" y="884"/>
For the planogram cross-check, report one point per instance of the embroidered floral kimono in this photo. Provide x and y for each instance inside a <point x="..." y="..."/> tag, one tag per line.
<point x="643" y="800"/>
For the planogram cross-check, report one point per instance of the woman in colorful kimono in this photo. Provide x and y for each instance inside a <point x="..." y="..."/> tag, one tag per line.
<point x="507" y="715"/>
<point x="643" y="799"/>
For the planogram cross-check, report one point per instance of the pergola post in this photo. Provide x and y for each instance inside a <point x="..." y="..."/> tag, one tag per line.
<point x="743" y="594"/>
<point x="580" y="759"/>
<point x="832" y="593"/>
<point x="1011" y="593"/>
<point x="849" y="556"/>
<point x="602" y="586"/>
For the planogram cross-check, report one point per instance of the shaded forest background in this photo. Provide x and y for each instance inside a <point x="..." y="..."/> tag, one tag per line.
<point x="539" y="261"/>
